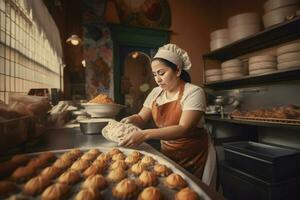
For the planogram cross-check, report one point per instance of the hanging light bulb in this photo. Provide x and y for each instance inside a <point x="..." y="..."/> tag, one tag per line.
<point x="83" y="63"/>
<point x="74" y="40"/>
<point x="135" y="54"/>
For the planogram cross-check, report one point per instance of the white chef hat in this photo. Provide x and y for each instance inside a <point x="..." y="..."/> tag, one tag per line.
<point x="175" y="55"/>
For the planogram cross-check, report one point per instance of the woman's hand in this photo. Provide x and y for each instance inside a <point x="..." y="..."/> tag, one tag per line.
<point x="133" y="119"/>
<point x="135" y="139"/>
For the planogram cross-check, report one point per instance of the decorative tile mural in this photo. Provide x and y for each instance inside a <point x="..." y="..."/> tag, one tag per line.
<point x="97" y="50"/>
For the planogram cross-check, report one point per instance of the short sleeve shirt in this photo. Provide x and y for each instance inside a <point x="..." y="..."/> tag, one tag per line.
<point x="193" y="99"/>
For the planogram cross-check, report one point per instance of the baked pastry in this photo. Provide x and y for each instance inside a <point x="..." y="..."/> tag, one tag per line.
<point x="132" y="159"/>
<point x="95" y="151"/>
<point x="35" y="185"/>
<point x="55" y="191"/>
<point x="100" y="163"/>
<point x="175" y="181"/>
<point x="118" y="164"/>
<point x="80" y="165"/>
<point x="18" y="197"/>
<point x="47" y="156"/>
<point x="161" y="170"/>
<point x="7" y="188"/>
<point x="22" y="174"/>
<point x="50" y="172"/>
<point x="138" y="168"/>
<point x="147" y="178"/>
<point x="92" y="170"/>
<point x="186" y="193"/>
<point x="116" y="175"/>
<point x="88" y="194"/>
<point x="6" y="168"/>
<point x="126" y="189"/>
<point x="62" y="163"/>
<point x="37" y="163"/>
<point x="148" y="160"/>
<point x="97" y="182"/>
<point x="20" y="159"/>
<point x="150" y="193"/>
<point x="88" y="156"/>
<point x="119" y="156"/>
<point x="104" y="157"/>
<point x="69" y="177"/>
<point x="114" y="151"/>
<point x="136" y="154"/>
<point x="76" y="152"/>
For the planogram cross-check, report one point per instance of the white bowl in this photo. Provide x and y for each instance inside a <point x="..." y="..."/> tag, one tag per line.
<point x="102" y="110"/>
<point x="243" y="19"/>
<point x="278" y="15"/>
<point x="274" y="4"/>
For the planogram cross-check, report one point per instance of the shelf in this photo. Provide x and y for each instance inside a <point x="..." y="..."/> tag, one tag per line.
<point x="264" y="124"/>
<point x="279" y="75"/>
<point x="284" y="32"/>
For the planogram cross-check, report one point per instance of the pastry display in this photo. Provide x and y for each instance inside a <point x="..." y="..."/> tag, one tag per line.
<point x="62" y="163"/>
<point x="161" y="170"/>
<point x="119" y="156"/>
<point x="116" y="175"/>
<point x="138" y="168"/>
<point x="147" y="160"/>
<point x="150" y="193"/>
<point x="132" y="159"/>
<point x="125" y="189"/>
<point x="186" y="193"/>
<point x="147" y="178"/>
<point x="91" y="174"/>
<point x="175" y="181"/>
<point x="80" y="165"/>
<point x="7" y="188"/>
<point x="50" y="172"/>
<point x="22" y="174"/>
<point x="88" y="194"/>
<point x="20" y="159"/>
<point x="97" y="182"/>
<point x="88" y="156"/>
<point x="92" y="170"/>
<point x="35" y="185"/>
<point x="118" y="164"/>
<point x="69" y="177"/>
<point x="55" y="191"/>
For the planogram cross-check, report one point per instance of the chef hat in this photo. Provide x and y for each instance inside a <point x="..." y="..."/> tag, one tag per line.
<point x="175" y="55"/>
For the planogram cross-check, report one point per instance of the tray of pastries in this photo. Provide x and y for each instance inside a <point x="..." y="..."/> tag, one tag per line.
<point x="96" y="173"/>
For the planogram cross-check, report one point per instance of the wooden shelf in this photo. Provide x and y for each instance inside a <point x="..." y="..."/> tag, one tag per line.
<point x="276" y="76"/>
<point x="263" y="124"/>
<point x="284" y="32"/>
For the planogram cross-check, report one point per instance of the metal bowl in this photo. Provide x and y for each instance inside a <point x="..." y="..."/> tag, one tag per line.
<point x="93" y="126"/>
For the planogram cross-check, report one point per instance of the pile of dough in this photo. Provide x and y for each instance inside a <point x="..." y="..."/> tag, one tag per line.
<point x="118" y="131"/>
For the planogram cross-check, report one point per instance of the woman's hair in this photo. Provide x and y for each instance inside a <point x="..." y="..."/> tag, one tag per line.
<point x="184" y="74"/>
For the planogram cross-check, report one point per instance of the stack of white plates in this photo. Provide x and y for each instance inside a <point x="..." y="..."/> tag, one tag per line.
<point x="262" y="64"/>
<point x="276" y="11"/>
<point x="218" y="39"/>
<point x="213" y="75"/>
<point x="232" y="69"/>
<point x="243" y="25"/>
<point x="288" y="56"/>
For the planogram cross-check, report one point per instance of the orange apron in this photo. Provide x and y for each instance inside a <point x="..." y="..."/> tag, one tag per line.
<point x="190" y="152"/>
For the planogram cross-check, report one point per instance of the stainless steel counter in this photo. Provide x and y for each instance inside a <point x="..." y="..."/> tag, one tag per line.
<point x="66" y="138"/>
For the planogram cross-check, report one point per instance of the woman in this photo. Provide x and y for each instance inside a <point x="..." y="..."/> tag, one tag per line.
<point x="177" y="108"/>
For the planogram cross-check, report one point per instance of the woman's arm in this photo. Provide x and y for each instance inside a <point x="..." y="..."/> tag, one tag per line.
<point x="188" y="121"/>
<point x="139" y="119"/>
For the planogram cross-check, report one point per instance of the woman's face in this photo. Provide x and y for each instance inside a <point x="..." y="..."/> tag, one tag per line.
<point x="164" y="76"/>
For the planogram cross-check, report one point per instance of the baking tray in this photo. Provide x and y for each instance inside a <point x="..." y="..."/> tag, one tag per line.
<point x="267" y="120"/>
<point x="168" y="193"/>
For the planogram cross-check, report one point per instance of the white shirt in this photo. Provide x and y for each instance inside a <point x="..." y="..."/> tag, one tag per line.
<point x="193" y="98"/>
